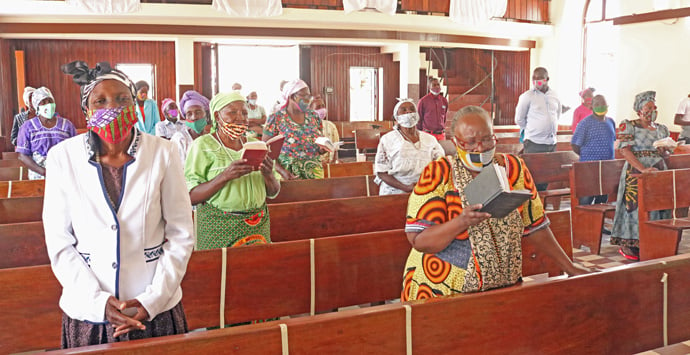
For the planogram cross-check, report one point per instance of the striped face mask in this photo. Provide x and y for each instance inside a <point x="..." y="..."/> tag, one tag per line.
<point x="112" y="124"/>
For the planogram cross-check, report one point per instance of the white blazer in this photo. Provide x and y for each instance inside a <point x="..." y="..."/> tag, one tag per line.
<point x="141" y="251"/>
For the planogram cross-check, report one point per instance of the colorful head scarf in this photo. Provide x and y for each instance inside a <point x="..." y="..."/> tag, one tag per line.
<point x="400" y="102"/>
<point x="290" y="89"/>
<point x="192" y="98"/>
<point x="166" y="102"/>
<point x="89" y="78"/>
<point x="27" y="96"/>
<point x="221" y="100"/>
<point x="39" y="95"/>
<point x="642" y="98"/>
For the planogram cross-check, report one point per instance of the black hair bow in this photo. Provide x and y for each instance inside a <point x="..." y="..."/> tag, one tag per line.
<point x="81" y="74"/>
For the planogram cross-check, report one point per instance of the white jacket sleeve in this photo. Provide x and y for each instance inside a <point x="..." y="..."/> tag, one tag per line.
<point x="79" y="283"/>
<point x="521" y="111"/>
<point x="177" y="215"/>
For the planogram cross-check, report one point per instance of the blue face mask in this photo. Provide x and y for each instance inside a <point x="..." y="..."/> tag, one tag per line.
<point x="303" y="105"/>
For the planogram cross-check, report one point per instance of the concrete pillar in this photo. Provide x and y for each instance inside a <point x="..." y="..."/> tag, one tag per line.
<point x="409" y="71"/>
<point x="184" y="63"/>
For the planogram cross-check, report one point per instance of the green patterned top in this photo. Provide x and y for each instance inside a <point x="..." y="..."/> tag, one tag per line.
<point x="206" y="159"/>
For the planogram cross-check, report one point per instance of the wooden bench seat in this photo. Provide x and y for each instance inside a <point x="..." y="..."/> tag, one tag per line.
<point x="568" y="316"/>
<point x="662" y="190"/>
<point x="552" y="168"/>
<point x="10" y="155"/>
<point x="263" y="281"/>
<point x="591" y="179"/>
<point x="22" y="188"/>
<point x="14" y="173"/>
<point x="323" y="189"/>
<point x="348" y="169"/>
<point x="11" y="163"/>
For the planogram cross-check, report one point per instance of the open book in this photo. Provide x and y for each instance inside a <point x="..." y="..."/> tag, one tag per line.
<point x="256" y="151"/>
<point x="326" y="143"/>
<point x="492" y="189"/>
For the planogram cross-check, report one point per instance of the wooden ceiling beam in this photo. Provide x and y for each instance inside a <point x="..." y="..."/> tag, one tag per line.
<point x="651" y="16"/>
<point x="272" y="32"/>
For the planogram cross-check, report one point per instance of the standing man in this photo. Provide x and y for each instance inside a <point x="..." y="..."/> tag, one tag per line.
<point x="682" y="118"/>
<point x="432" y="110"/>
<point x="537" y="114"/>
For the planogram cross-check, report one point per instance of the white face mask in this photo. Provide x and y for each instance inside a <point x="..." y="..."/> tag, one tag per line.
<point x="407" y="120"/>
<point x="436" y="92"/>
<point x="252" y="102"/>
<point x="47" y="110"/>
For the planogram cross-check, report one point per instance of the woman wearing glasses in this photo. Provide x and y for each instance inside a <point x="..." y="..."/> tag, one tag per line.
<point x="403" y="153"/>
<point x="300" y="157"/>
<point x="456" y="248"/>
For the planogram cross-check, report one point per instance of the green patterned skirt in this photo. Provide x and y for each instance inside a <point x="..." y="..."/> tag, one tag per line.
<point x="302" y="168"/>
<point x="218" y="229"/>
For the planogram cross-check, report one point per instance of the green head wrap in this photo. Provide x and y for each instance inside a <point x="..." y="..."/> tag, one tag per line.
<point x="221" y="100"/>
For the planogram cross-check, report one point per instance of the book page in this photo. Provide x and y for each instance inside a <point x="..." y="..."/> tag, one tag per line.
<point x="502" y="177"/>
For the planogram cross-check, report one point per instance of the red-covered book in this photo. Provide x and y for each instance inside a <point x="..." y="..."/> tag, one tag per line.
<point x="256" y="151"/>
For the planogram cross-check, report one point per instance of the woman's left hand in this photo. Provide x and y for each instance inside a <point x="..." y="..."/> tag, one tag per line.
<point x="141" y="315"/>
<point x="266" y="166"/>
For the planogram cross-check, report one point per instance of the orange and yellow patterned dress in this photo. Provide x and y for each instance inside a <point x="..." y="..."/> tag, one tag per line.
<point x="485" y="256"/>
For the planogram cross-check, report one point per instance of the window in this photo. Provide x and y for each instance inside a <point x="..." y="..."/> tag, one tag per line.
<point x="138" y="72"/>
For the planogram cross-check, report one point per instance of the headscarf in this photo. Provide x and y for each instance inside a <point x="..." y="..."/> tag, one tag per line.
<point x="221" y="100"/>
<point x="27" y="94"/>
<point x="89" y="78"/>
<point x="400" y="102"/>
<point x="39" y="95"/>
<point x="192" y="98"/>
<point x="583" y="92"/>
<point x="641" y="99"/>
<point x="166" y="102"/>
<point x="290" y="89"/>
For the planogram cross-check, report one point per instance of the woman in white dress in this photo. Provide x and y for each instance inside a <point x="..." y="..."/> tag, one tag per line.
<point x="403" y="153"/>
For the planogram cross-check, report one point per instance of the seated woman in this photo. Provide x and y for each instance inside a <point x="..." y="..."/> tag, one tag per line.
<point x="172" y="122"/>
<point x="403" y="153"/>
<point x="456" y="248"/>
<point x="300" y="157"/>
<point x="40" y="134"/>
<point x="329" y="130"/>
<point x="229" y="193"/>
<point x="195" y="113"/>
<point x="119" y="247"/>
<point x="636" y="139"/>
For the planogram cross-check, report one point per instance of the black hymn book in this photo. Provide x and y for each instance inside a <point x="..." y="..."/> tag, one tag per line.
<point x="491" y="189"/>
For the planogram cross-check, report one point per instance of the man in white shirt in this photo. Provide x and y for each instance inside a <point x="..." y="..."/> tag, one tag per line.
<point x="682" y="119"/>
<point x="537" y="114"/>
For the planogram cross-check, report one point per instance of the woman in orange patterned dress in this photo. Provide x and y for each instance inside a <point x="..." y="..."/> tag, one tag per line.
<point x="456" y="248"/>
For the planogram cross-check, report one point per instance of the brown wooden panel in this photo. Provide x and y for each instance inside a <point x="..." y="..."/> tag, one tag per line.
<point x="324" y="189"/>
<point x="19" y="294"/>
<point x="7" y="105"/>
<point x="14" y="173"/>
<point x="284" y="290"/>
<point x="348" y="169"/>
<point x="10" y="155"/>
<point x="528" y="10"/>
<point x="20" y="210"/>
<point x="324" y="218"/>
<point x="11" y="163"/>
<point x="550" y="167"/>
<point x="201" y="289"/>
<point x="22" y="244"/>
<point x="330" y="67"/>
<point x="534" y="261"/>
<point x="360" y="268"/>
<point x="44" y="70"/>
<point x="23" y="188"/>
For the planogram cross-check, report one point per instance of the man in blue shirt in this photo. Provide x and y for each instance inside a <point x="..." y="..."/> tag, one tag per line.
<point x="593" y="140"/>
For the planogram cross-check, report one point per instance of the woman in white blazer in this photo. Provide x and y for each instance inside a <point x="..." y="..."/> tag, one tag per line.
<point x="117" y="220"/>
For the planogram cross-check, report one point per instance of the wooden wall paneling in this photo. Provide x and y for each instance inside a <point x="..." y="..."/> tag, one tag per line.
<point x="305" y="67"/>
<point x="203" y="68"/>
<point x="198" y="68"/>
<point x="512" y="78"/>
<point x="20" y="77"/>
<point x="44" y="70"/>
<point x="8" y="92"/>
<point x="330" y="68"/>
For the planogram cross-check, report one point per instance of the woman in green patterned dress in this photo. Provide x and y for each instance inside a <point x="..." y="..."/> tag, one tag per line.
<point x="636" y="139"/>
<point x="229" y="194"/>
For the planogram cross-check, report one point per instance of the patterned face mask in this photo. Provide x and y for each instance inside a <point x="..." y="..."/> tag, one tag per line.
<point x="232" y="130"/>
<point x="475" y="161"/>
<point x="112" y="124"/>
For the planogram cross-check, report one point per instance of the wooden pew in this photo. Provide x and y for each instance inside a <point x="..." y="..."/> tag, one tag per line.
<point x="347" y="129"/>
<point x="11" y="163"/>
<point x="348" y="169"/>
<point x="552" y="168"/>
<point x="662" y="190"/>
<point x="22" y="209"/>
<point x="14" y="173"/>
<point x="590" y="179"/>
<point x="569" y="316"/>
<point x="22" y="188"/>
<point x="263" y="281"/>
<point x="324" y="189"/>
<point x="314" y="219"/>
<point x="23" y="244"/>
<point x="10" y="155"/>
<point x="367" y="140"/>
